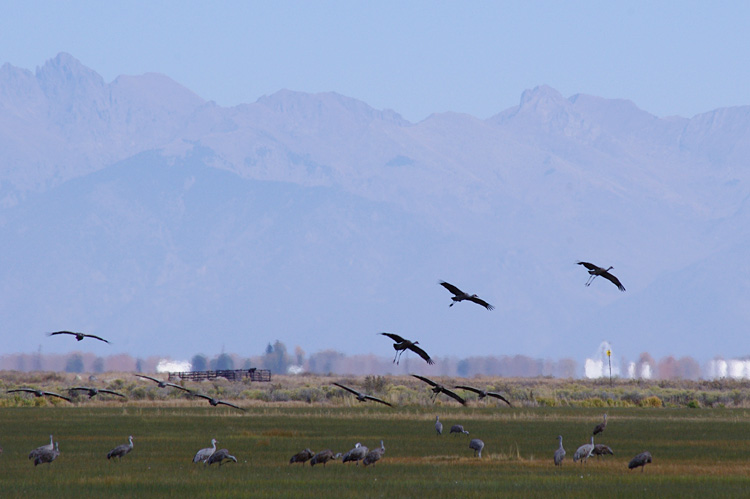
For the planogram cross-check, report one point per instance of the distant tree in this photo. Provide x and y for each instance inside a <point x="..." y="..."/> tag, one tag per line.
<point x="462" y="369"/>
<point x="224" y="361"/>
<point x="139" y="365"/>
<point x="98" y="365"/>
<point x="299" y="355"/>
<point x="688" y="368"/>
<point x="199" y="362"/>
<point x="277" y="360"/>
<point x="74" y="364"/>
<point x="269" y="349"/>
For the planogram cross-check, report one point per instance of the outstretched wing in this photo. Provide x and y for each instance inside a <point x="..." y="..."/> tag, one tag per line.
<point x="589" y="266"/>
<point x="96" y="337"/>
<point x="454" y="395"/>
<point x="426" y="380"/>
<point x="113" y="393"/>
<point x="481" y="302"/>
<point x="470" y="388"/>
<point x="22" y="390"/>
<point x="231" y="405"/>
<point x="498" y="396"/>
<point x="148" y="377"/>
<point x="614" y="280"/>
<point x="453" y="289"/>
<point x="421" y="353"/>
<point x="355" y="392"/>
<point x="57" y="395"/>
<point x="394" y="337"/>
<point x="61" y="332"/>
<point x="194" y="394"/>
<point x="375" y="399"/>
<point x="81" y="388"/>
<point x="177" y="386"/>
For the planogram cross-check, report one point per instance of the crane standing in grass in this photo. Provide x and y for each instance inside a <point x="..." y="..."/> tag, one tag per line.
<point x="477" y="445"/>
<point x="202" y="455"/>
<point x="601" y="426"/>
<point x="121" y="450"/>
<point x="641" y="460"/>
<point x="559" y="453"/>
<point x="438" y="425"/>
<point x="584" y="452"/>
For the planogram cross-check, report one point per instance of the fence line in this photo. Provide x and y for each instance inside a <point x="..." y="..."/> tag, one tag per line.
<point x="231" y="374"/>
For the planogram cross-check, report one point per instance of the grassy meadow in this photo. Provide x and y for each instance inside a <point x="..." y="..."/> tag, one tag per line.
<point x="697" y="452"/>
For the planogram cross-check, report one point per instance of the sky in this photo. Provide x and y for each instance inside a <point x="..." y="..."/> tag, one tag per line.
<point x="415" y="57"/>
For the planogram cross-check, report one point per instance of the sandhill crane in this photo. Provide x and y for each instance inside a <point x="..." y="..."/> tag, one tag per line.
<point x="459" y="295"/>
<point x="595" y="271"/>
<point x="162" y="384"/>
<point x="39" y="393"/>
<point x="438" y="425"/>
<point x="484" y="393"/>
<point x="374" y="455"/>
<point x="477" y="445"/>
<point x="602" y="450"/>
<point x="202" y="455"/>
<point x="95" y="391"/>
<point x="221" y="456"/>
<point x="121" y="450"/>
<point x="214" y="402"/>
<point x="301" y="457"/>
<point x="641" y="460"/>
<point x="601" y="426"/>
<point x="402" y="344"/>
<point x="584" y="452"/>
<point x="559" y="453"/>
<point x="48" y="455"/>
<point x="457" y="428"/>
<point x="79" y="336"/>
<point x="357" y="454"/>
<point x="44" y="448"/>
<point x="323" y="457"/>
<point x="362" y="396"/>
<point x="437" y="388"/>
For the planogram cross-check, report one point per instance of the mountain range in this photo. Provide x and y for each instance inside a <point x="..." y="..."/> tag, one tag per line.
<point x="140" y="212"/>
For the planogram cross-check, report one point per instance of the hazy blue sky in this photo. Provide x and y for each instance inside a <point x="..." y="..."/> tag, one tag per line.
<point x="415" y="57"/>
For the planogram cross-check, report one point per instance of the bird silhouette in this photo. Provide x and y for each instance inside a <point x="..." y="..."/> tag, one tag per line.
<point x="484" y="393"/>
<point x="459" y="295"/>
<point x="39" y="393"/>
<point x="79" y="336"/>
<point x="362" y="396"/>
<point x="214" y="402"/>
<point x="163" y="384"/>
<point x="95" y="391"/>
<point x="402" y="344"/>
<point x="595" y="271"/>
<point x="437" y="389"/>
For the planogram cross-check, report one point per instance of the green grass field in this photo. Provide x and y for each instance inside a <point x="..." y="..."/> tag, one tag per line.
<point x="696" y="452"/>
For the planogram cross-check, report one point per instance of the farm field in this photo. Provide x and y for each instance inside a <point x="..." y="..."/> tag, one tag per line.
<point x="696" y="452"/>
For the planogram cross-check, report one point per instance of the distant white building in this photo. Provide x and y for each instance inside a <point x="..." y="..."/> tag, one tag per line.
<point x="732" y="368"/>
<point x="167" y="365"/>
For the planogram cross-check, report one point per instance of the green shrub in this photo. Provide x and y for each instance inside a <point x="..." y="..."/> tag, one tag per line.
<point x="652" y="401"/>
